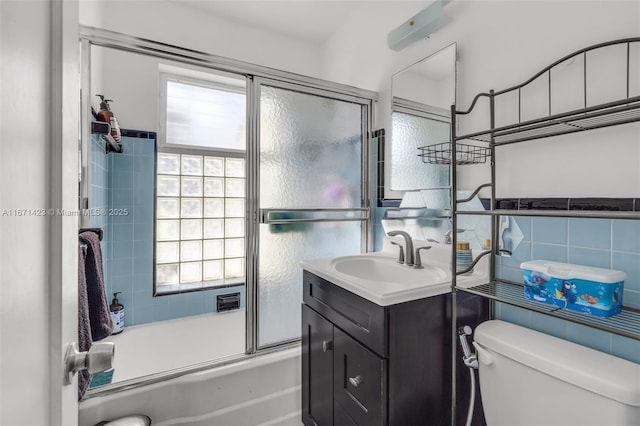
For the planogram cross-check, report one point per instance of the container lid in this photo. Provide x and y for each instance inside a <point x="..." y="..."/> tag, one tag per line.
<point x="595" y="371"/>
<point x="567" y="271"/>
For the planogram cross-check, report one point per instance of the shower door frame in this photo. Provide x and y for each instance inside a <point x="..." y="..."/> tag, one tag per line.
<point x="255" y="74"/>
<point x="259" y="216"/>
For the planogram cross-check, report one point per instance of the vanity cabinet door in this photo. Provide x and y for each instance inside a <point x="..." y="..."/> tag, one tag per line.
<point x="317" y="369"/>
<point x="359" y="383"/>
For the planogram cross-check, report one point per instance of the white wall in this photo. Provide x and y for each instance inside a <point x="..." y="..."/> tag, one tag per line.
<point x="136" y="95"/>
<point x="24" y="173"/>
<point x="500" y="44"/>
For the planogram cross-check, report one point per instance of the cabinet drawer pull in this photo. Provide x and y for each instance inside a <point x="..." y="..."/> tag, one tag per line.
<point x="355" y="381"/>
<point x="327" y="345"/>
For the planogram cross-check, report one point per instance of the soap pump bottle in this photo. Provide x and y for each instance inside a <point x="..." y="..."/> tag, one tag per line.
<point x="117" y="314"/>
<point x="106" y="115"/>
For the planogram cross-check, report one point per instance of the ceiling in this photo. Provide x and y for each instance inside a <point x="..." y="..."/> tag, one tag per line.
<point x="310" y="20"/>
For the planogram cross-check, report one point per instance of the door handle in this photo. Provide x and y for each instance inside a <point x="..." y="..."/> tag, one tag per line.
<point x="355" y="381"/>
<point x="327" y="345"/>
<point x="98" y="358"/>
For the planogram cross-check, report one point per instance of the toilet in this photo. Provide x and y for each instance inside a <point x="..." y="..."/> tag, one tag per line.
<point x="531" y="378"/>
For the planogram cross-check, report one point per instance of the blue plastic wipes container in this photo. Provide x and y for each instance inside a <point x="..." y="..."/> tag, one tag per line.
<point x="594" y="291"/>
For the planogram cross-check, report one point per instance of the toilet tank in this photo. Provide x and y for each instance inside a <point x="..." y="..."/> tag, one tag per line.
<point x="531" y="378"/>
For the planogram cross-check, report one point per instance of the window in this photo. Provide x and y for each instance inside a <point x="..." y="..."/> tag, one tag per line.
<point x="200" y="192"/>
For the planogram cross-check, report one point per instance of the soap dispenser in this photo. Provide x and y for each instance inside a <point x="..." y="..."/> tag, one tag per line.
<point x="117" y="314"/>
<point x="106" y="115"/>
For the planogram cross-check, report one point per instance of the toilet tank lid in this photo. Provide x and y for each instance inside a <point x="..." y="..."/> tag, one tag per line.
<point x="601" y="373"/>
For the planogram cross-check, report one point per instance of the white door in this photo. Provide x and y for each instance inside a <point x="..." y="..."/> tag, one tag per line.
<point x="38" y="172"/>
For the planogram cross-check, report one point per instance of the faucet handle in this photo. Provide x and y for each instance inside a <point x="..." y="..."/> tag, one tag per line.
<point x="417" y="260"/>
<point x="401" y="254"/>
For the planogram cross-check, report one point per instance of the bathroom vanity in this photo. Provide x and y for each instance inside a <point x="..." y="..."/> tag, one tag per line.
<point x="366" y="363"/>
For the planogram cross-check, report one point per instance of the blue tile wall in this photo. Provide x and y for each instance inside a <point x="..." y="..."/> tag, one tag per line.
<point x="123" y="186"/>
<point x="604" y="243"/>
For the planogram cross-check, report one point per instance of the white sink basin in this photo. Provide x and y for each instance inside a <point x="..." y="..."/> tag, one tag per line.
<point x="379" y="278"/>
<point x="387" y="269"/>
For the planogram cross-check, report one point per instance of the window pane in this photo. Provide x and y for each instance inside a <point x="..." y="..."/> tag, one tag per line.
<point x="234" y="228"/>
<point x="167" y="230"/>
<point x="214" y="207"/>
<point x="204" y="116"/>
<point x="168" y="186"/>
<point x="213" y="166"/>
<point x="213" y="228"/>
<point x="168" y="208"/>
<point x="234" y="167"/>
<point x="168" y="164"/>
<point x="213" y="187"/>
<point x="191" y="207"/>
<point x="190" y="272"/>
<point x="190" y="250"/>
<point x="234" y="207"/>
<point x="167" y="252"/>
<point x="234" y="268"/>
<point x="234" y="188"/>
<point x="167" y="274"/>
<point x="191" y="187"/>
<point x="234" y="247"/>
<point x="212" y="270"/>
<point x="192" y="165"/>
<point x="213" y="249"/>
<point x="191" y="229"/>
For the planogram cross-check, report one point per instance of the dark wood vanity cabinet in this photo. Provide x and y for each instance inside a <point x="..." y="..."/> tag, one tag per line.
<point x="365" y="364"/>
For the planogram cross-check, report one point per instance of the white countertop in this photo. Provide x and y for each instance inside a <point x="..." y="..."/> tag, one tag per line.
<point x="388" y="292"/>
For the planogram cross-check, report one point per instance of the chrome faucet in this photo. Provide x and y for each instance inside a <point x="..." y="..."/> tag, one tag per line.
<point x="408" y="246"/>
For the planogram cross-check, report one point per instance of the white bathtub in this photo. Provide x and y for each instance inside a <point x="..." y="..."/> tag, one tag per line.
<point x="263" y="390"/>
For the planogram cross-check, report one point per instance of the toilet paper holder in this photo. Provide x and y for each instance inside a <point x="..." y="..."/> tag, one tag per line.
<point x="98" y="358"/>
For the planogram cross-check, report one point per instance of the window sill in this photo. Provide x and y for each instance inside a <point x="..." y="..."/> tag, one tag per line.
<point x="165" y="290"/>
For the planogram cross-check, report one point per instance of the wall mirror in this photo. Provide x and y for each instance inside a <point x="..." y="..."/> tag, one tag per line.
<point x="422" y="95"/>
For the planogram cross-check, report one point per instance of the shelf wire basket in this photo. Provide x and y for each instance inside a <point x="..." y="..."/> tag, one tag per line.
<point x="440" y="153"/>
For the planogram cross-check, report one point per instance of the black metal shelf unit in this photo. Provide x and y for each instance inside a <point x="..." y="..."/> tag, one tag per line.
<point x="626" y="323"/>
<point x="618" y="112"/>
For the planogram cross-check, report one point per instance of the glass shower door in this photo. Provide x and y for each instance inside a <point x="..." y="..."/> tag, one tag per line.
<point x="312" y="197"/>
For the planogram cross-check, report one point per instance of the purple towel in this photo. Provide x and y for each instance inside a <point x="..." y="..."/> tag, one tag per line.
<point x="99" y="314"/>
<point x="84" y="329"/>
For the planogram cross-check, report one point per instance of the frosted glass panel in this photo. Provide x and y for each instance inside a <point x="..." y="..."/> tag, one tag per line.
<point x="167" y="274"/>
<point x="192" y="165"/>
<point x="190" y="272"/>
<point x="234" y="228"/>
<point x="310" y="151"/>
<point x="214" y="207"/>
<point x="168" y="186"/>
<point x="190" y="250"/>
<point x="234" y="188"/>
<point x="213" y="166"/>
<point x="191" y="207"/>
<point x="280" y="282"/>
<point x="234" y="247"/>
<point x="168" y="230"/>
<point x="191" y="229"/>
<point x="168" y="208"/>
<point x="167" y="252"/>
<point x="191" y="187"/>
<point x="212" y="270"/>
<point x="213" y="228"/>
<point x="234" y="207"/>
<point x="408" y="172"/>
<point x="234" y="167"/>
<point x="213" y="187"/>
<point x="234" y="268"/>
<point x="205" y="116"/>
<point x="213" y="249"/>
<point x="168" y="164"/>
